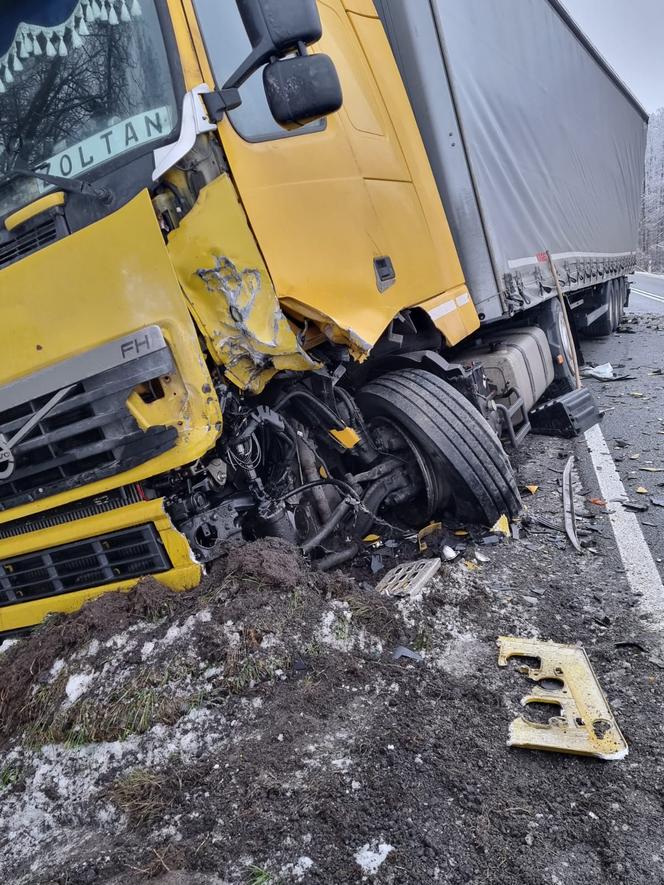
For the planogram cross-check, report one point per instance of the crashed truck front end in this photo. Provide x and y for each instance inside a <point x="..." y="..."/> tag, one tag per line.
<point x="156" y="402"/>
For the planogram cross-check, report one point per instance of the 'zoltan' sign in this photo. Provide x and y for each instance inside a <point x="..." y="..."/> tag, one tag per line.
<point x="109" y="143"/>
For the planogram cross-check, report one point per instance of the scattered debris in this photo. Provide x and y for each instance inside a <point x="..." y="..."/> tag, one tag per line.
<point x="601" y="373"/>
<point x="409" y="578"/>
<point x="652" y="469"/>
<point x="449" y="554"/>
<point x="637" y="394"/>
<point x="481" y="557"/>
<point x="402" y="652"/>
<point x="532" y="489"/>
<point x="584" y="724"/>
<point x="598" y="502"/>
<point x="428" y="530"/>
<point x="636" y="506"/>
<point x="502" y="527"/>
<point x="568" y="506"/>
<point x="641" y="490"/>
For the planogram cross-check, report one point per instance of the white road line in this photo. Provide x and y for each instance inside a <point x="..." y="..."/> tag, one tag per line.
<point x="652" y="297"/>
<point x="640" y="566"/>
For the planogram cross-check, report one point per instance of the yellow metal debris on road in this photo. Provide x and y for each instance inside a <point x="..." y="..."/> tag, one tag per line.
<point x="581" y="722"/>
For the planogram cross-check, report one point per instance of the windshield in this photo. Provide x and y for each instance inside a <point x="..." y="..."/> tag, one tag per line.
<point x="81" y="83"/>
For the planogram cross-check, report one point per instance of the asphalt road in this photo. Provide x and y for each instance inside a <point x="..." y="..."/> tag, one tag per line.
<point x="647" y="293"/>
<point x="633" y="423"/>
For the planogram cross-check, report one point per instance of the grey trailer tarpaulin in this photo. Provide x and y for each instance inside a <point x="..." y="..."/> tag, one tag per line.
<point x="534" y="141"/>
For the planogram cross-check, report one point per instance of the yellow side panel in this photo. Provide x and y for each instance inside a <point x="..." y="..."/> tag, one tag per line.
<point x="105" y="281"/>
<point x="324" y="205"/>
<point x="433" y="220"/>
<point x="185" y="572"/>
<point x="230" y="292"/>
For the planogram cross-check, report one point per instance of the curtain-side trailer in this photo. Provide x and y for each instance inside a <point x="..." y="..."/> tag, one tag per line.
<point x="536" y="146"/>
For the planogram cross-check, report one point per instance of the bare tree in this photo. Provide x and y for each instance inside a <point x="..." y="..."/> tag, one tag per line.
<point x="652" y="222"/>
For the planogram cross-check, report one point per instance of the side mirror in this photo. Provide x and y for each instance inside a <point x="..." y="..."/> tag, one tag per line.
<point x="275" y="28"/>
<point x="302" y="89"/>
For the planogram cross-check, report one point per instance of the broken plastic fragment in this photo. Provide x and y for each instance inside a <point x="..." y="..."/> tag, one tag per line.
<point x="401" y="651"/>
<point x="581" y="721"/>
<point x="532" y="489"/>
<point x="599" y="502"/>
<point x="430" y="529"/>
<point x="642" y="490"/>
<point x="601" y="373"/>
<point x="502" y="527"/>
<point x="371" y="539"/>
<point x="449" y="554"/>
<point x="408" y="578"/>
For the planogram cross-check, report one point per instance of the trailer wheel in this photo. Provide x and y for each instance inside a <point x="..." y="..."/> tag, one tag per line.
<point x="464" y="464"/>
<point x="608" y="322"/>
<point x="552" y="321"/>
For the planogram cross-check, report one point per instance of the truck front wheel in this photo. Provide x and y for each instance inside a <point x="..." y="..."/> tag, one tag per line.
<point x="462" y="461"/>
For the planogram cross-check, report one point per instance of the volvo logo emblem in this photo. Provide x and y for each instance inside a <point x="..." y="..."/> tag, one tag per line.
<point x="7" y="447"/>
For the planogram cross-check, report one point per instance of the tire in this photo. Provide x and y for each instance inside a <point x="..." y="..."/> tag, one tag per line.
<point x="454" y="438"/>
<point x="607" y="323"/>
<point x="552" y="321"/>
<point x="621" y="287"/>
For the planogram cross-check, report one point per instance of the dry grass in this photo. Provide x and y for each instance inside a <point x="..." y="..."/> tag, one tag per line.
<point x="135" y="707"/>
<point x="142" y="795"/>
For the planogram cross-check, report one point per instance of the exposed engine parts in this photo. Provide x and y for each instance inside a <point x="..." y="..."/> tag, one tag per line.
<point x="319" y="466"/>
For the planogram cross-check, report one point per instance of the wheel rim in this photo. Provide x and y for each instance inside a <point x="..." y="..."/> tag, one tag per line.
<point x="565" y="342"/>
<point x="435" y="490"/>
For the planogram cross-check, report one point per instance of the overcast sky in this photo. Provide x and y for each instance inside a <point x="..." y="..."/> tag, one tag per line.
<point x="630" y="35"/>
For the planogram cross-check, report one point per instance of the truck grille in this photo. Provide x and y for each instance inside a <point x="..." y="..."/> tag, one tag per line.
<point x="89" y="434"/>
<point x="107" y="559"/>
<point x="18" y="246"/>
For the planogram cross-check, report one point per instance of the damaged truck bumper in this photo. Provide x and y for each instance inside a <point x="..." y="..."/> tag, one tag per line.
<point x="71" y="556"/>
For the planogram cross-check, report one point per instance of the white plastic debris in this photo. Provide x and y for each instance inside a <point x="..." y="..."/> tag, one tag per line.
<point x="601" y="373"/>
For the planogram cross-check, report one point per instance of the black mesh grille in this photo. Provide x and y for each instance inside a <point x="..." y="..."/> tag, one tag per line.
<point x="119" y="556"/>
<point x="38" y="237"/>
<point x="113" y="500"/>
<point x="88" y="436"/>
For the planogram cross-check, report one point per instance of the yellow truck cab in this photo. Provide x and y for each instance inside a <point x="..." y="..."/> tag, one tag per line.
<point x="227" y="283"/>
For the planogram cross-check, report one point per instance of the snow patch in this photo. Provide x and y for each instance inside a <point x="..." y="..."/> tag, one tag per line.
<point x="77" y="685"/>
<point x="372" y="856"/>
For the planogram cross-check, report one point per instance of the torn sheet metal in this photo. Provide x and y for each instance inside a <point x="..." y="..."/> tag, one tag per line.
<point x="230" y="292"/>
<point x="568" y="505"/>
<point x="581" y="721"/>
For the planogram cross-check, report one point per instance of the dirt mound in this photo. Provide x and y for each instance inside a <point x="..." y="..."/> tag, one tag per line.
<point x="117" y="712"/>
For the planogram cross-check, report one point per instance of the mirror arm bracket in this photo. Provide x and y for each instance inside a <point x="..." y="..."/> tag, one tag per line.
<point x="220" y="102"/>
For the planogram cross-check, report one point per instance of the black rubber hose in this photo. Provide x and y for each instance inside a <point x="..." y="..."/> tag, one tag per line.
<point x="334" y="560"/>
<point x="334" y="420"/>
<point x="344" y="486"/>
<point x="340" y="512"/>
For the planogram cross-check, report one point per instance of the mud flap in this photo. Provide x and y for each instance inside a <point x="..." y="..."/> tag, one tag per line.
<point x="568" y="416"/>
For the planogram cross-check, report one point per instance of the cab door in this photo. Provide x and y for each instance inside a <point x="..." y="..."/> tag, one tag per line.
<point x="333" y="205"/>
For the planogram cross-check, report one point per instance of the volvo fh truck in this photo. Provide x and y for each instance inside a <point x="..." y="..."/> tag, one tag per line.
<point x="253" y="281"/>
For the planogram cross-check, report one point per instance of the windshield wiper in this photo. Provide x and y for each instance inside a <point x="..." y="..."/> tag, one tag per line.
<point x="71" y="185"/>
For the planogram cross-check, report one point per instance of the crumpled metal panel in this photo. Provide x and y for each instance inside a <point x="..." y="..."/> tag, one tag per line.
<point x="564" y="679"/>
<point x="230" y="292"/>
